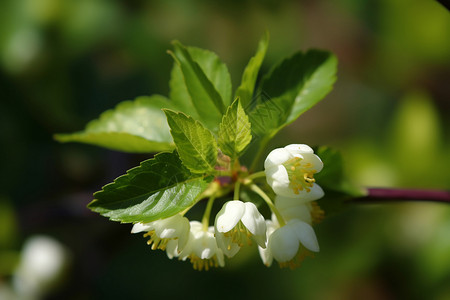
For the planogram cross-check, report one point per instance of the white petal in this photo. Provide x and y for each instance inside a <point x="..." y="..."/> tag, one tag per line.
<point x="139" y="227"/>
<point x="223" y="242"/>
<point x="284" y="190"/>
<point x="278" y="179"/>
<point x="305" y="234"/>
<point x="230" y="214"/>
<point x="276" y="157"/>
<point x="172" y="249"/>
<point x="253" y="220"/>
<point x="183" y="235"/>
<point x="282" y="202"/>
<point x="315" y="193"/>
<point x="301" y="212"/>
<point x="172" y="227"/>
<point x="206" y="253"/>
<point x="266" y="256"/>
<point x="314" y="160"/>
<point x="210" y="246"/>
<point x="283" y="243"/>
<point x="195" y="234"/>
<point x="196" y="226"/>
<point x="299" y="149"/>
<point x="220" y="258"/>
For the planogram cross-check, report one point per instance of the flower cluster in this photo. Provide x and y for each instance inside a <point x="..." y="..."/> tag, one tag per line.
<point x="288" y="237"/>
<point x="290" y="172"/>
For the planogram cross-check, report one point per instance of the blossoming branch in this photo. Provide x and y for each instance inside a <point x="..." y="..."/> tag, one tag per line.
<point x="202" y="131"/>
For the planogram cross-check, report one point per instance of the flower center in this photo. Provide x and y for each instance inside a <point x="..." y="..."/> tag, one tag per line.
<point x="158" y="243"/>
<point x="239" y="235"/>
<point x="301" y="176"/>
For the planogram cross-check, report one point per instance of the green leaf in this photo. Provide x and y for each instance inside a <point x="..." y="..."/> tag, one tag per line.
<point x="137" y="126"/>
<point x="291" y="88"/>
<point x="235" y="131"/>
<point x="159" y="188"/>
<point x="247" y="87"/>
<point x="196" y="145"/>
<point x="200" y="84"/>
<point x="332" y="174"/>
<point x="338" y="189"/>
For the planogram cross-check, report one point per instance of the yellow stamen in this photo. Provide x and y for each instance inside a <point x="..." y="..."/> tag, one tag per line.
<point x="317" y="214"/>
<point x="203" y="264"/>
<point x="300" y="174"/>
<point x="296" y="261"/>
<point x="239" y="235"/>
<point x="155" y="241"/>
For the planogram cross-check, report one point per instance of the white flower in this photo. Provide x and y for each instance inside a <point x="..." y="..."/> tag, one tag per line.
<point x="201" y="248"/>
<point x="289" y="244"/>
<point x="290" y="172"/>
<point x="236" y="224"/>
<point x="164" y="230"/>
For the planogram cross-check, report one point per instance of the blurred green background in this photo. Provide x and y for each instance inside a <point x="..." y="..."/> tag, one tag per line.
<point x="63" y="62"/>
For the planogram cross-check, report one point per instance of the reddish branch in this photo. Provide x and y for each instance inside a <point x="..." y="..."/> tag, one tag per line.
<point x="391" y="194"/>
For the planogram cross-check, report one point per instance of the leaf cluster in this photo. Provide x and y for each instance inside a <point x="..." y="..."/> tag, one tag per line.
<point x="203" y="124"/>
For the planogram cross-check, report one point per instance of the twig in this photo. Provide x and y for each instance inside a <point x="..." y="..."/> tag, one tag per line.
<point x="393" y="194"/>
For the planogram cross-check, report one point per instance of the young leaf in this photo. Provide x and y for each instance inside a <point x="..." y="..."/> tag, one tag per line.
<point x="159" y="188"/>
<point x="247" y="87"/>
<point x="235" y="132"/>
<point x="207" y="83"/>
<point x="291" y="88"/>
<point x="196" y="145"/>
<point x="137" y="126"/>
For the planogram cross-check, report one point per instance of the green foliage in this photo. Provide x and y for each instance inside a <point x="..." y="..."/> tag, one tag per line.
<point x="291" y="88"/>
<point x="199" y="120"/>
<point x="235" y="131"/>
<point x="247" y="87"/>
<point x="334" y="182"/>
<point x="196" y="145"/>
<point x="133" y="126"/>
<point x="158" y="188"/>
<point x="206" y="80"/>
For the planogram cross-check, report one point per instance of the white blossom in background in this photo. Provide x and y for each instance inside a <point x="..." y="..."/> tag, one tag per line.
<point x="290" y="172"/>
<point x="236" y="224"/>
<point x="201" y="248"/>
<point x="162" y="231"/>
<point x="6" y="292"/>
<point x="42" y="263"/>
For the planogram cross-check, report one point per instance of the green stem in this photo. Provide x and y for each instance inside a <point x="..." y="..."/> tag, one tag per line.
<point x="269" y="202"/>
<point x="207" y="213"/>
<point x="237" y="187"/>
<point x="185" y="211"/>
<point x="262" y="147"/>
<point x="256" y="175"/>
